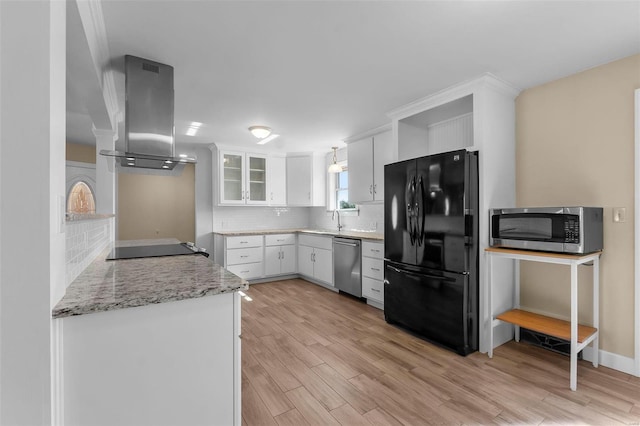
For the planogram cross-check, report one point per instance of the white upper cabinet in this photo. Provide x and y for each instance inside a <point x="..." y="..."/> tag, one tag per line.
<point x="367" y="154"/>
<point x="277" y="181"/>
<point x="232" y="182"/>
<point x="248" y="178"/>
<point x="243" y="178"/>
<point x="256" y="178"/>
<point x="306" y="177"/>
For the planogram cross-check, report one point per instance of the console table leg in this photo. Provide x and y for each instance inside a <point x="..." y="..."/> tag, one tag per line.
<point x="574" y="327"/>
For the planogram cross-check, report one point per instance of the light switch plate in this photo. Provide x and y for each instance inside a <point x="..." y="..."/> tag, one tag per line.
<point x="619" y="214"/>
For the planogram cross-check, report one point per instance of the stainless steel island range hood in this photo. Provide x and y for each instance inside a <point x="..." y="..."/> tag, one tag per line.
<point x="149" y="127"/>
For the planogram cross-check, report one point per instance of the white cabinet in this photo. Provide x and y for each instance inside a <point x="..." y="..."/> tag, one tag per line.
<point x="306" y="180"/>
<point x="373" y="272"/>
<point x="277" y="181"/>
<point x="367" y="154"/>
<point x="280" y="254"/>
<point x="243" y="178"/>
<point x="243" y="256"/>
<point x="315" y="258"/>
<point x="478" y="115"/>
<point x="158" y="364"/>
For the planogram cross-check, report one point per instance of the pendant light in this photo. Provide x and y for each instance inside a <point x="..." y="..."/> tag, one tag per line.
<point x="335" y="167"/>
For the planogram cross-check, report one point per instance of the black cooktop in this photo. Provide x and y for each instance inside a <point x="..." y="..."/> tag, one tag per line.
<point x="149" y="251"/>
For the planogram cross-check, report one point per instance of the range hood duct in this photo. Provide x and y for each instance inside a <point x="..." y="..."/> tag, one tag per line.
<point x="149" y="133"/>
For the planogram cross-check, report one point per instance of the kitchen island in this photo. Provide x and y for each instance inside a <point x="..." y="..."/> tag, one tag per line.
<point x="150" y="341"/>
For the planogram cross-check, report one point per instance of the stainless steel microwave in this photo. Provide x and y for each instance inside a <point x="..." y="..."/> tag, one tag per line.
<point x="576" y="230"/>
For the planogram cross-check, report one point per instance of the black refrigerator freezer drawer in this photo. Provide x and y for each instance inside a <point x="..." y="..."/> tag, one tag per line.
<point x="435" y="305"/>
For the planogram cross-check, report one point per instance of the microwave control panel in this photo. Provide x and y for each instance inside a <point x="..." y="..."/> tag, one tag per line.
<point x="572" y="231"/>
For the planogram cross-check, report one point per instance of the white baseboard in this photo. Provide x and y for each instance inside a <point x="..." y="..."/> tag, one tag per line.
<point x="611" y="360"/>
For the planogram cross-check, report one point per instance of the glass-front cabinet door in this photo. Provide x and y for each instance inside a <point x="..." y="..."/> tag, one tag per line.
<point x="243" y="178"/>
<point x="256" y="179"/>
<point x="232" y="189"/>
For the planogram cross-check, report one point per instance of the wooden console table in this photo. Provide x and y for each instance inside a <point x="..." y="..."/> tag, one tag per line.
<point x="578" y="335"/>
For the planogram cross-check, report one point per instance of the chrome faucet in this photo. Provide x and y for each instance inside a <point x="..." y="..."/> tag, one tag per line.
<point x="333" y="216"/>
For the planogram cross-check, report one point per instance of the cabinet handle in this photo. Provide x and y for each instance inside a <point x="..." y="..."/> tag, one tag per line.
<point x="375" y="269"/>
<point x="244" y="242"/>
<point x="371" y="189"/>
<point x="282" y="253"/>
<point x="375" y="289"/>
<point x="242" y="257"/>
<point x="375" y="250"/>
<point x="374" y="188"/>
<point x="277" y="239"/>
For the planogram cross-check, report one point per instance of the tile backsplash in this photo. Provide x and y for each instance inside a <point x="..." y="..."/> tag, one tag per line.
<point x="257" y="218"/>
<point x="370" y="217"/>
<point x="85" y="240"/>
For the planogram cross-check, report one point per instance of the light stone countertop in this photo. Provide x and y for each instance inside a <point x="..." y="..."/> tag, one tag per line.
<point x="115" y="284"/>
<point x="365" y="235"/>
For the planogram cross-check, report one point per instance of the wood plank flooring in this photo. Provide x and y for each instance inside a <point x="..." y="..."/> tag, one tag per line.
<point x="314" y="357"/>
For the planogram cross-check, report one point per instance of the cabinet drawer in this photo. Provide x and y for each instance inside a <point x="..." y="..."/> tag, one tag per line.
<point x="245" y="241"/>
<point x="372" y="289"/>
<point x="372" y="268"/>
<point x="245" y="255"/>
<point x="316" y="241"/>
<point x="247" y="271"/>
<point x="279" y="239"/>
<point x="375" y="250"/>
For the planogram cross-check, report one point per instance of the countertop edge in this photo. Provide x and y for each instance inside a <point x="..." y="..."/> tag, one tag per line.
<point x="364" y="235"/>
<point x="74" y="312"/>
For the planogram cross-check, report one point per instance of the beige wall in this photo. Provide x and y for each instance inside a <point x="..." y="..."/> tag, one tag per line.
<point x="575" y="146"/>
<point x="152" y="206"/>
<point x="82" y="153"/>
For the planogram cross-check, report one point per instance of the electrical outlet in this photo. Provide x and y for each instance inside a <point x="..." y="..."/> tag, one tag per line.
<point x="619" y="214"/>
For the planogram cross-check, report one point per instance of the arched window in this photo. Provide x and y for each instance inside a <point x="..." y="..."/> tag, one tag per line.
<point x="81" y="199"/>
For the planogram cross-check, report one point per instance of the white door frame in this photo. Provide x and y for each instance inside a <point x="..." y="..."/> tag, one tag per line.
<point x="636" y="184"/>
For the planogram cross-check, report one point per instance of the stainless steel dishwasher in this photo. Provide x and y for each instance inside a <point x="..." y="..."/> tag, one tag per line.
<point x="347" y="267"/>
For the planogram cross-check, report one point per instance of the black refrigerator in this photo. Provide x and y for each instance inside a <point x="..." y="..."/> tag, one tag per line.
<point x="431" y="248"/>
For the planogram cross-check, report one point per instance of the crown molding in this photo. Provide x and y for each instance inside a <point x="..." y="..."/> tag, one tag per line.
<point x="368" y="133"/>
<point x="486" y="80"/>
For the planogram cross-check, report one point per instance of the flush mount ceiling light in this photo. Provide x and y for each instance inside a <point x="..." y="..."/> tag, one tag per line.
<point x="335" y="167"/>
<point x="260" y="132"/>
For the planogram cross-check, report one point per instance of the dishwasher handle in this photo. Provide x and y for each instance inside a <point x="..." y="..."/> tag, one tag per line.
<point x="345" y="244"/>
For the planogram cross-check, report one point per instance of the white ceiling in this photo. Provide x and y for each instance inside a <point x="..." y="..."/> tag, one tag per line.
<point x="318" y="72"/>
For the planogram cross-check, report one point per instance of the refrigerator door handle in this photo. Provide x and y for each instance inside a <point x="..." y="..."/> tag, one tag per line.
<point x="416" y="274"/>
<point x="419" y="217"/>
<point x="410" y="197"/>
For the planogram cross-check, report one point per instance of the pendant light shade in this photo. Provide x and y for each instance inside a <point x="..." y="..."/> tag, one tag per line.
<point x="260" y="132"/>
<point x="335" y="167"/>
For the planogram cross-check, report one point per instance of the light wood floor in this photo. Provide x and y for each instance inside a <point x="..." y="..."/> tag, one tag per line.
<point x="312" y="356"/>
